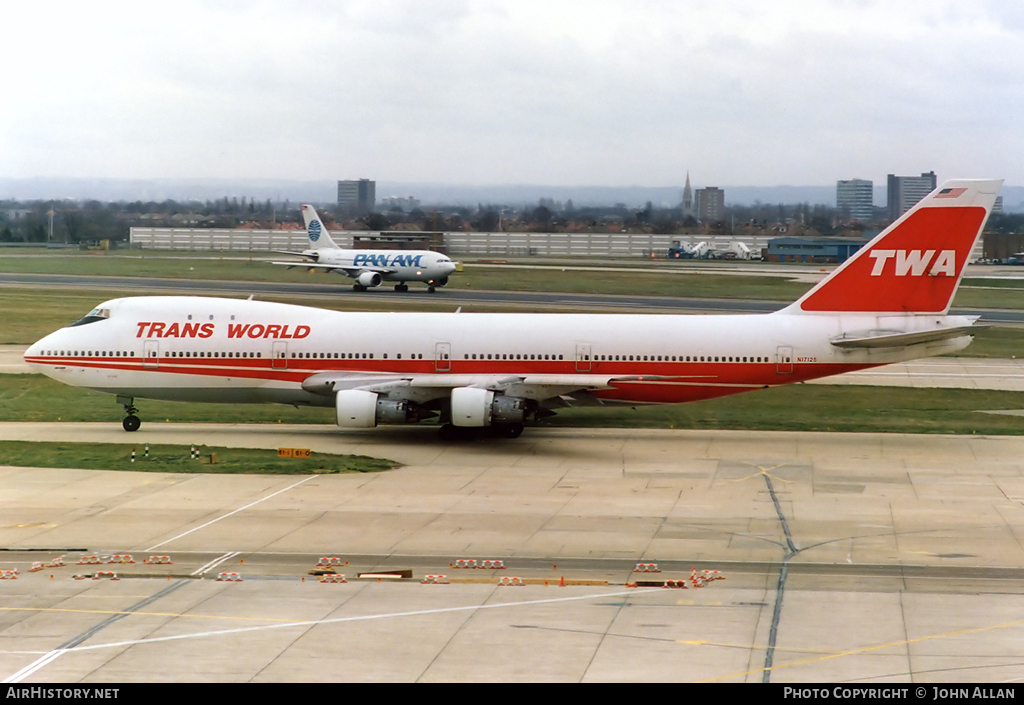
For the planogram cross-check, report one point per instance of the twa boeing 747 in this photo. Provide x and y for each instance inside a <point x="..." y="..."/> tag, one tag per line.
<point x="370" y="268"/>
<point x="498" y="371"/>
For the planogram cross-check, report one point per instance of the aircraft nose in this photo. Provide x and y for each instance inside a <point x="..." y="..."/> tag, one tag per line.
<point x="31" y="355"/>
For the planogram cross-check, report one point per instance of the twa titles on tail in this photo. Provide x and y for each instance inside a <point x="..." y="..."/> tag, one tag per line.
<point x="498" y="372"/>
<point x="369" y="268"/>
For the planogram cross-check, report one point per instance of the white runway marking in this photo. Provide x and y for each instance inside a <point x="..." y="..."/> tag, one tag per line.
<point x="33" y="667"/>
<point x="214" y="563"/>
<point x="339" y="620"/>
<point x="214" y="521"/>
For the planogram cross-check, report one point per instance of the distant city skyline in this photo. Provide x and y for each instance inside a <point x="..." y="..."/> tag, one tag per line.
<point x="325" y="192"/>
<point x="495" y="92"/>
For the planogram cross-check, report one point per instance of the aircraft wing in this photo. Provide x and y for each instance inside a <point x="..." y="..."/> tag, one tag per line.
<point x="529" y="386"/>
<point x="898" y="339"/>
<point x="348" y="271"/>
<point x="356" y="271"/>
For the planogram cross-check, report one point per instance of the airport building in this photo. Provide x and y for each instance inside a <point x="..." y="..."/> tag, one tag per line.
<point x="710" y="204"/>
<point x="805" y="249"/>
<point x="855" y="200"/>
<point x="459" y="243"/>
<point x="905" y="191"/>
<point x="357" y="197"/>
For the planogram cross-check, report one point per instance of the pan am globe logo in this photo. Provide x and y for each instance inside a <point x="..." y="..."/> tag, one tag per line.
<point x="314" y="230"/>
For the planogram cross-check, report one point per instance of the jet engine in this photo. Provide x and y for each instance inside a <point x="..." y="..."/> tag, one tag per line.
<point x="368" y="279"/>
<point x="360" y="409"/>
<point x="472" y="406"/>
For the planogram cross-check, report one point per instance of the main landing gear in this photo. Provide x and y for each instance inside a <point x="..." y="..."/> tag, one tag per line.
<point x="401" y="287"/>
<point x="131" y="421"/>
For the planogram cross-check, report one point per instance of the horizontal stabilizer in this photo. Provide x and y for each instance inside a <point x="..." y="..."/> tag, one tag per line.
<point x="898" y="339"/>
<point x="307" y="254"/>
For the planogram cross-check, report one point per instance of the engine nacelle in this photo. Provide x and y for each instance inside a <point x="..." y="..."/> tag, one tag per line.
<point x="368" y="279"/>
<point x="360" y="409"/>
<point x="472" y="406"/>
<point x="356" y="408"/>
<point x="508" y="410"/>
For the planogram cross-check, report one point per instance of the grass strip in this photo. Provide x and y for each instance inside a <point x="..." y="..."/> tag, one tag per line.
<point x="178" y="458"/>
<point x="39" y="398"/>
<point x="819" y="407"/>
<point x="662" y="279"/>
<point x="802" y="407"/>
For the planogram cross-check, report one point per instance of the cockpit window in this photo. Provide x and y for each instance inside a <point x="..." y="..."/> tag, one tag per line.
<point x="97" y="314"/>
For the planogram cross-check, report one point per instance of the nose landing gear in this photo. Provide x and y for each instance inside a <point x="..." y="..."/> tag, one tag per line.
<point x="131" y="421"/>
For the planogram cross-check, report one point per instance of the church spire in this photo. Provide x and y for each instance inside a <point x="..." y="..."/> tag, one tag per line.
<point x="687" y="197"/>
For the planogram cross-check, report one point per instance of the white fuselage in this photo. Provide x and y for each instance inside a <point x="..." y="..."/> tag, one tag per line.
<point x="408" y="265"/>
<point x="225" y="350"/>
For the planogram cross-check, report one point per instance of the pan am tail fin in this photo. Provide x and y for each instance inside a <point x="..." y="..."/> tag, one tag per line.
<point x="319" y="238"/>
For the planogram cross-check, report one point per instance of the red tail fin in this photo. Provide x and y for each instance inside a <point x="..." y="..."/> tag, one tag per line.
<point x="914" y="265"/>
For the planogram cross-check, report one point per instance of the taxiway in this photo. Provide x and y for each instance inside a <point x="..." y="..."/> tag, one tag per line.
<point x="902" y="558"/>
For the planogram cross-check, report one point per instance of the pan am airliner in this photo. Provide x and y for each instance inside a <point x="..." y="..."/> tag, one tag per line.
<point x="370" y="268"/>
<point x="497" y="372"/>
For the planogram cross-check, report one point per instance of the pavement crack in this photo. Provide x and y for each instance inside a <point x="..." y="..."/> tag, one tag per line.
<point x="789" y="551"/>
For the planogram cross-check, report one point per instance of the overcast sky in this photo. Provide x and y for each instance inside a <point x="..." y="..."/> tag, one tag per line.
<point x="551" y="92"/>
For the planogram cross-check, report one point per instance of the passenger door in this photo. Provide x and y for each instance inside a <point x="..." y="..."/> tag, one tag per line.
<point x="280" y="353"/>
<point x="784" y="361"/>
<point x="151" y="355"/>
<point x="443" y="357"/>
<point x="583" y="357"/>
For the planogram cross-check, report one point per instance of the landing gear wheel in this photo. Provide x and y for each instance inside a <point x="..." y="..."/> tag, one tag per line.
<point x="401" y="287"/>
<point x="131" y="421"/>
<point x="431" y="289"/>
<point x="358" y="287"/>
